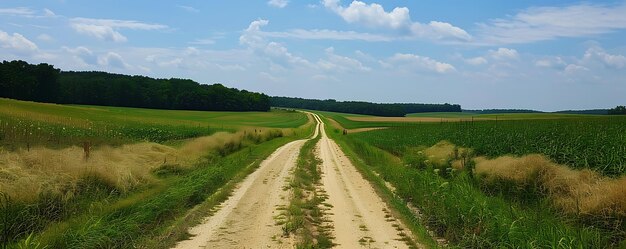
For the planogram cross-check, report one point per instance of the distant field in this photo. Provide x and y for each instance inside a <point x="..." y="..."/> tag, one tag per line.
<point x="503" y="116"/>
<point x="21" y="121"/>
<point x="596" y="143"/>
<point x="578" y="140"/>
<point x="352" y="121"/>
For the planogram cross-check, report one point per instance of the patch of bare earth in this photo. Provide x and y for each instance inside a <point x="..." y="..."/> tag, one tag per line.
<point x="248" y="218"/>
<point x="359" y="216"/>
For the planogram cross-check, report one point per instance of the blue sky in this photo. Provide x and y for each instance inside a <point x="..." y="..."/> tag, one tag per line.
<point x="545" y="55"/>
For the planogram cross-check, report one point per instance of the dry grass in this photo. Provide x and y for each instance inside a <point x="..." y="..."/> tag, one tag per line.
<point x="24" y="174"/>
<point x="573" y="191"/>
<point x="443" y="152"/>
<point x="580" y="192"/>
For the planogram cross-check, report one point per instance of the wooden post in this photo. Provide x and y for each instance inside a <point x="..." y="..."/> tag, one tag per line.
<point x="86" y="149"/>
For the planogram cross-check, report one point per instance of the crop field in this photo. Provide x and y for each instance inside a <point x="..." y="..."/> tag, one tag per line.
<point x="527" y="180"/>
<point x="24" y="124"/>
<point x="595" y="143"/>
<point x="66" y="168"/>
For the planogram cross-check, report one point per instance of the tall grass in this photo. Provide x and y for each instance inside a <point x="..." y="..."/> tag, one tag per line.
<point x="45" y="185"/>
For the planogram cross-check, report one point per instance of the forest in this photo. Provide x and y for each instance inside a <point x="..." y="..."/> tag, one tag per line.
<point x="366" y="108"/>
<point x="44" y="83"/>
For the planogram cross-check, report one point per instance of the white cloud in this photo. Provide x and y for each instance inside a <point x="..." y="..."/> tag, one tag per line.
<point x="27" y="12"/>
<point x="551" y="62"/>
<point x="107" y="29"/>
<point x="610" y="60"/>
<point x="476" y="61"/>
<point x="82" y="54"/>
<point x="278" y="3"/>
<point x="101" y="32"/>
<point x="49" y="13"/>
<point x="252" y="38"/>
<point x="16" y="42"/>
<point x="113" y="59"/>
<point x="572" y="69"/>
<point x="374" y="15"/>
<point x="125" y="24"/>
<point x="188" y="8"/>
<point x="504" y="54"/>
<point x="338" y="63"/>
<point x="411" y="62"/>
<point x="252" y="35"/>
<point x="548" y="23"/>
<point x="19" y="11"/>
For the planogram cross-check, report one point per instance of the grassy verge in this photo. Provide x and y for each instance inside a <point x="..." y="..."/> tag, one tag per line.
<point x="304" y="214"/>
<point x="397" y="204"/>
<point x="124" y="223"/>
<point x="454" y="207"/>
<point x="177" y="229"/>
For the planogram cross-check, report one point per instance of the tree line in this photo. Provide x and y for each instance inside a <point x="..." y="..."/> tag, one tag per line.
<point x="618" y="110"/>
<point x="44" y="83"/>
<point x="359" y="107"/>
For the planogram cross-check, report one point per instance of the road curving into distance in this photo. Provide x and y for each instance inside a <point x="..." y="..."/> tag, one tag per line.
<point x="248" y="219"/>
<point x="361" y="219"/>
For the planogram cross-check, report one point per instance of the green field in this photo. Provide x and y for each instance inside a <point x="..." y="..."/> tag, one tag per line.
<point x="503" y="116"/>
<point x="594" y="143"/>
<point x="29" y="123"/>
<point x="100" y="177"/>
<point x="527" y="210"/>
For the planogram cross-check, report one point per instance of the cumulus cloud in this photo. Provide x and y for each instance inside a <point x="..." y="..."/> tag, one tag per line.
<point x="504" y="54"/>
<point x="16" y="42"/>
<point x="412" y="62"/>
<point x="374" y="15"/>
<point x="113" y="59"/>
<point x="107" y="29"/>
<point x="105" y="33"/>
<point x="334" y="62"/>
<point x="252" y="37"/>
<point x="596" y="53"/>
<point x="278" y="3"/>
<point x="82" y="54"/>
<point x="548" y="23"/>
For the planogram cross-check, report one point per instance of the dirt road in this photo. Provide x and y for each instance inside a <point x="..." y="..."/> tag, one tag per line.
<point x="248" y="218"/>
<point x="359" y="216"/>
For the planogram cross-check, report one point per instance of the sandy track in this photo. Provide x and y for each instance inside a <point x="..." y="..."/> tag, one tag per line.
<point x="359" y="216"/>
<point x="246" y="219"/>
